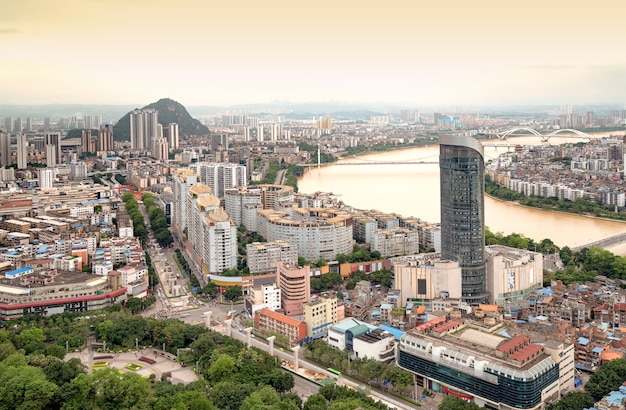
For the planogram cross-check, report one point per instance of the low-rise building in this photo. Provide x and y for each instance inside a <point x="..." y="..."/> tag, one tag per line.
<point x="268" y="320"/>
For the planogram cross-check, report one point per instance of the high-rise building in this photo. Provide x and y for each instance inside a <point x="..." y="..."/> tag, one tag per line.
<point x="143" y="128"/>
<point x="46" y="178"/>
<point x="19" y="124"/>
<point x="105" y="139"/>
<point x="8" y="124"/>
<point x="462" y="169"/>
<point x="22" y="151"/>
<point x="172" y="135"/>
<point x="53" y="139"/>
<point x="161" y="149"/>
<point x="87" y="143"/>
<point x="46" y="123"/>
<point x="29" y="123"/>
<point x="5" y="149"/>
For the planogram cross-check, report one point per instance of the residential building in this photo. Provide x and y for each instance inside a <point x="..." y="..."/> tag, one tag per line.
<point x="317" y="232"/>
<point x="143" y="128"/>
<point x="263" y="257"/>
<point x="395" y="242"/>
<point x="295" y="286"/>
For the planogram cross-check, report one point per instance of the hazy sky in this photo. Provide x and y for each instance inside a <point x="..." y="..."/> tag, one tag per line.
<point x="203" y="52"/>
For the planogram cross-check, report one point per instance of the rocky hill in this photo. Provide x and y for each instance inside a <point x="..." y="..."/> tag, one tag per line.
<point x="169" y="111"/>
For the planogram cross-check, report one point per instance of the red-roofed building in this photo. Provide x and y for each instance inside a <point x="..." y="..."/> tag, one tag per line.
<point x="294" y="329"/>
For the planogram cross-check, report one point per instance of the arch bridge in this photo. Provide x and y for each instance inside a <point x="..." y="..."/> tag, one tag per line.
<point x="544" y="137"/>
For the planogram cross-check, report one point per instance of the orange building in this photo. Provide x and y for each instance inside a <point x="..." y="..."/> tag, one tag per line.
<point x="268" y="320"/>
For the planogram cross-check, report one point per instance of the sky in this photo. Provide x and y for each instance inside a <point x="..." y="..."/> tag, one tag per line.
<point x="415" y="53"/>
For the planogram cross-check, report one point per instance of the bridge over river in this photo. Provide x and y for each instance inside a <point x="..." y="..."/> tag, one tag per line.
<point x="604" y="243"/>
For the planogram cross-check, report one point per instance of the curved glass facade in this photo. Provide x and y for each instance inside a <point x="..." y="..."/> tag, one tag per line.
<point x="462" y="172"/>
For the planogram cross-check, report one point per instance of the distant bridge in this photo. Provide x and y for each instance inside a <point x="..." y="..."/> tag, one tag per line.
<point x="415" y="162"/>
<point x="544" y="137"/>
<point x="604" y="243"/>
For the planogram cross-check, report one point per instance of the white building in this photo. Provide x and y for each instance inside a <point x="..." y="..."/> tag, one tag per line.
<point x="183" y="179"/>
<point x="172" y="135"/>
<point x="263" y="297"/>
<point x="46" y="178"/>
<point x="220" y="242"/>
<point x="144" y="128"/>
<point x="220" y="176"/>
<point x="395" y="242"/>
<point x="318" y="233"/>
<point x="135" y="280"/>
<point x="264" y="256"/>
<point x="377" y="344"/>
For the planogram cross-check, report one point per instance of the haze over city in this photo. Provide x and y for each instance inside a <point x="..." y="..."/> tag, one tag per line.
<point x="451" y="52"/>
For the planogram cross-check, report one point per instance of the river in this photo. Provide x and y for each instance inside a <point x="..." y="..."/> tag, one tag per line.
<point x="413" y="190"/>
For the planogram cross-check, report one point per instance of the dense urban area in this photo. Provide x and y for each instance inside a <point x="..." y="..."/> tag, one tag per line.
<point x="160" y="261"/>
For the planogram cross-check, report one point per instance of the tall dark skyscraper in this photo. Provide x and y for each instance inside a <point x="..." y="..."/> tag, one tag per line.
<point x="462" y="172"/>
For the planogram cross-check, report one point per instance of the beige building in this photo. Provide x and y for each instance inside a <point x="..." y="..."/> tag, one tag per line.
<point x="395" y="242"/>
<point x="426" y="277"/>
<point x="320" y="315"/>
<point x="512" y="273"/>
<point x="295" y="286"/>
<point x="264" y="256"/>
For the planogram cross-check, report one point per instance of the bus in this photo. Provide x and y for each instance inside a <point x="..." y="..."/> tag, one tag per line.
<point x="334" y="371"/>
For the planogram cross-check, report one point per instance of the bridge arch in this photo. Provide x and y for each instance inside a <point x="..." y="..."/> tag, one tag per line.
<point x="580" y="134"/>
<point x="506" y="133"/>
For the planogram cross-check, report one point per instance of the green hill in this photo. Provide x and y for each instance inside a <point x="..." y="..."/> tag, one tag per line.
<point x="169" y="111"/>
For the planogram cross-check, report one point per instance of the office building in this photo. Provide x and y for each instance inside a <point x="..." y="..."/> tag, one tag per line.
<point x="462" y="171"/>
<point x="502" y="372"/>
<point x="295" y="286"/>
<point x="143" y="128"/>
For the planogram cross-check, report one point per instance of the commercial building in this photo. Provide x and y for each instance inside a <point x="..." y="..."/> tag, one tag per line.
<point x="264" y="256"/>
<point x="320" y="315"/>
<point x="268" y="320"/>
<point x="512" y="274"/>
<point x="377" y="344"/>
<point x="485" y="366"/>
<point x="462" y="174"/>
<point x="295" y="286"/>
<point x="317" y="232"/>
<point x="47" y="292"/>
<point x="425" y="277"/>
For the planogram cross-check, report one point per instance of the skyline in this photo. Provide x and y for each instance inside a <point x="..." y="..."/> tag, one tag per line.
<point x="448" y="53"/>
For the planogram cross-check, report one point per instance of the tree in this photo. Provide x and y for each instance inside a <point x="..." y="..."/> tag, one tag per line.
<point x="456" y="403"/>
<point x="134" y="304"/>
<point x="573" y="401"/>
<point x="222" y="369"/>
<point x="232" y="292"/>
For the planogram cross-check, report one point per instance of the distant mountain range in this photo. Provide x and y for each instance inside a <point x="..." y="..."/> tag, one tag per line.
<point x="169" y="111"/>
